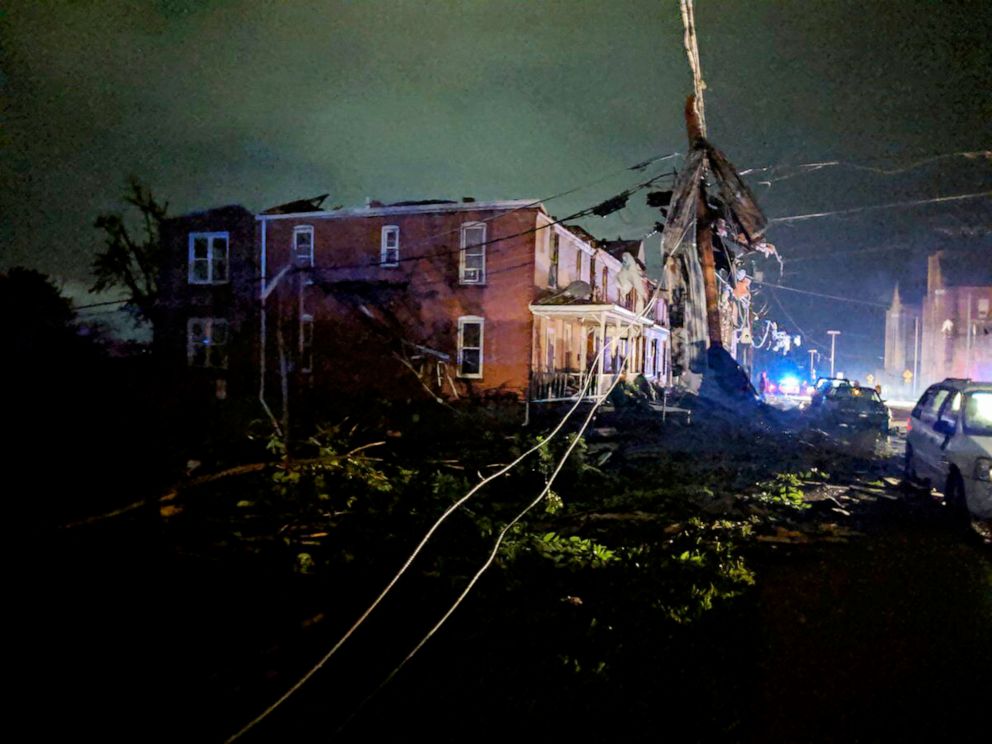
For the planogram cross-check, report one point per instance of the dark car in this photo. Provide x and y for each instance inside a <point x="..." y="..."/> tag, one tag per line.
<point x="822" y="385"/>
<point x="853" y="406"/>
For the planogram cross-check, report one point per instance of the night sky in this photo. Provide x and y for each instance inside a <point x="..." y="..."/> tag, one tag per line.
<point x="258" y="103"/>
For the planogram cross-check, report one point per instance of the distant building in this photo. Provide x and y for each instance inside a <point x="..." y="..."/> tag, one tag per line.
<point x="451" y="299"/>
<point x="950" y="333"/>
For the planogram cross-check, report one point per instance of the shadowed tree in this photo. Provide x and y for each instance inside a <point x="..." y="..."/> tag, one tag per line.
<point x="132" y="259"/>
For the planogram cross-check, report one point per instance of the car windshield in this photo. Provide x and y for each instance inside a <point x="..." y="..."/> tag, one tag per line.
<point x="978" y="413"/>
<point x="857" y="394"/>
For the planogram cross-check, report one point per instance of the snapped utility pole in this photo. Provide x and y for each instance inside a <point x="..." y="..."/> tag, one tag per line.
<point x="695" y="123"/>
<point x="704" y="233"/>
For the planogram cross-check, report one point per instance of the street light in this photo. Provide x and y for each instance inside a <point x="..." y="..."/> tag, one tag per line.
<point x="833" y="341"/>
<point x="812" y="372"/>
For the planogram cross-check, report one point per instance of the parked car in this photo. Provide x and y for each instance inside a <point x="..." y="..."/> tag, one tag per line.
<point x="823" y="384"/>
<point x="949" y="444"/>
<point x="842" y="403"/>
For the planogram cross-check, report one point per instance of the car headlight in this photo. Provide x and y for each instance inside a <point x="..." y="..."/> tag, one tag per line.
<point x="983" y="469"/>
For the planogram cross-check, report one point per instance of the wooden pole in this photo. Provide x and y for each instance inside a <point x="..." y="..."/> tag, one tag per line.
<point x="704" y="235"/>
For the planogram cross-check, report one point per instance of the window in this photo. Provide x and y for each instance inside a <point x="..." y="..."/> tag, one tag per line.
<point x="303" y="245"/>
<point x="608" y="354"/>
<point x="550" y="349"/>
<point x="206" y="342"/>
<point x="578" y="265"/>
<point x="567" y="343"/>
<point x="389" y="252"/>
<point x="208" y="254"/>
<point x="306" y="343"/>
<point x="592" y="278"/>
<point x="654" y="357"/>
<point x="606" y="285"/>
<point x="470" y="346"/>
<point x="553" y="267"/>
<point x="472" y="266"/>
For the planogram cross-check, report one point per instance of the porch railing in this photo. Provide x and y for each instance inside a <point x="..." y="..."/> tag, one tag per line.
<point x="550" y="386"/>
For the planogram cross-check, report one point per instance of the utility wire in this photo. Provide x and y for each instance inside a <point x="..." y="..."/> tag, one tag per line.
<point x="805" y="168"/>
<point x="852" y="210"/>
<point x="820" y="294"/>
<point x="410" y="559"/>
<point x="502" y="534"/>
<point x="450" y="510"/>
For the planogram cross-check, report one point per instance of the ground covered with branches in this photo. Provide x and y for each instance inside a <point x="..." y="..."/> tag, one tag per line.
<point x="631" y="601"/>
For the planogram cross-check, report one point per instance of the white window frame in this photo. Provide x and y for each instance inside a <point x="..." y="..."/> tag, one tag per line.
<point x="306" y="343"/>
<point x="210" y="259"/>
<point x="384" y="248"/>
<point x="478" y="275"/>
<point x="462" y="322"/>
<point x="305" y="259"/>
<point x="207" y="342"/>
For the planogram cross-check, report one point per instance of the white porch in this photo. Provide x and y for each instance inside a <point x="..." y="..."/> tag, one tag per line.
<point x="569" y="339"/>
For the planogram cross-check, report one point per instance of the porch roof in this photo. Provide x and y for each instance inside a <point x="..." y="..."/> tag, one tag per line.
<point x="594" y="314"/>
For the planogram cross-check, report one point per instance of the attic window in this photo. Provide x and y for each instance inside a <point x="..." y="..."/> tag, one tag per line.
<point x="472" y="263"/>
<point x="303" y="245"/>
<point x="208" y="257"/>
<point x="389" y="251"/>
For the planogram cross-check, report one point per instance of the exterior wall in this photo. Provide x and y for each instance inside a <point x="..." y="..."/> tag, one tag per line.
<point x="569" y="248"/>
<point x="233" y="300"/>
<point x="423" y="294"/>
<point x="957" y="334"/>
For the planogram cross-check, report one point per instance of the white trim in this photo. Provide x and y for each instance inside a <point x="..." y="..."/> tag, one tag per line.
<point x="507" y="205"/>
<point x="462" y="322"/>
<point x="388" y="230"/>
<point x="595" y="310"/>
<point x="261" y="272"/>
<point x="305" y="260"/>
<point x="479" y="275"/>
<point x="209" y="259"/>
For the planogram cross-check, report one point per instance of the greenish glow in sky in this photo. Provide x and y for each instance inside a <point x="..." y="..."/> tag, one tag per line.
<point x="259" y="103"/>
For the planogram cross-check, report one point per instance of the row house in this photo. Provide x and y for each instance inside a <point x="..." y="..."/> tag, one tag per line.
<point x="454" y="299"/>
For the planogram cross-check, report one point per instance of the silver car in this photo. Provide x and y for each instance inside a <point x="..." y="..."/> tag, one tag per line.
<point x="949" y="444"/>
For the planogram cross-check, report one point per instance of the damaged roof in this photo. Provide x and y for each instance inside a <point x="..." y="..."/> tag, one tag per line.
<point x="617" y="248"/>
<point x="583" y="234"/>
<point x="313" y="204"/>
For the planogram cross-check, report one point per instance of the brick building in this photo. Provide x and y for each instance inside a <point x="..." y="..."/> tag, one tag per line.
<point x="451" y="299"/>
<point x="949" y="333"/>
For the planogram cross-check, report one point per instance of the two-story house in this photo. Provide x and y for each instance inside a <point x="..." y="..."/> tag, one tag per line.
<point x="452" y="298"/>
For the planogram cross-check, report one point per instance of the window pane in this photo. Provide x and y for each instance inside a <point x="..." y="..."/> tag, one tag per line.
<point x="473" y="261"/>
<point x="200" y="270"/>
<point x="471" y="335"/>
<point x="196" y="332"/>
<point x="220" y="268"/>
<point x="218" y="335"/>
<point x="471" y="362"/>
<point x="199" y="247"/>
<point x="475" y="235"/>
